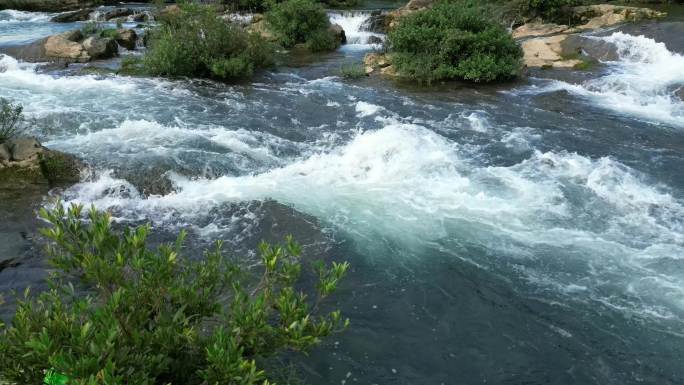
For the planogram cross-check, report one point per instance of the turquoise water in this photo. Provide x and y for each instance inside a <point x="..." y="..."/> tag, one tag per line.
<point x="530" y="232"/>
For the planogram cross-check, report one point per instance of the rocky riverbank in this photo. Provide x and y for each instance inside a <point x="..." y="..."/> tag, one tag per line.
<point x="25" y="162"/>
<point x="545" y="45"/>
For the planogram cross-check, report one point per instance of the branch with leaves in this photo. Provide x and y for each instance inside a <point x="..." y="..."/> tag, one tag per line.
<point x="150" y="316"/>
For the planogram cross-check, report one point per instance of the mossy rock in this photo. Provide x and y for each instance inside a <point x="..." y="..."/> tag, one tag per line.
<point x="20" y="176"/>
<point x="59" y="168"/>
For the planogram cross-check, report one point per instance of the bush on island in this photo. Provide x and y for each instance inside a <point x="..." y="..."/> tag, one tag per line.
<point x="302" y="21"/>
<point x="196" y="42"/>
<point x="453" y="40"/>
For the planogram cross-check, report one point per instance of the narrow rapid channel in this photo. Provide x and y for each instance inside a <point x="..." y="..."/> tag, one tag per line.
<point x="525" y="233"/>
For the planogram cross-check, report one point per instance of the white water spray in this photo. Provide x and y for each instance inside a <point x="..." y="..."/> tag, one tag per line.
<point x="643" y="82"/>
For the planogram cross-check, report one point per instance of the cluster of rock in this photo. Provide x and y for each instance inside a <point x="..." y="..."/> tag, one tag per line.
<point x="545" y="45"/>
<point x="73" y="46"/>
<point x="24" y="161"/>
<point x="549" y="45"/>
<point x="112" y="15"/>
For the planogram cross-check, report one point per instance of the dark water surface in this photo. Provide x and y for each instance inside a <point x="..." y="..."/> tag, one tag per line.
<point x="526" y="233"/>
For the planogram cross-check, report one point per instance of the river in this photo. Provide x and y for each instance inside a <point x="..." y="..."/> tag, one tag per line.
<point x="525" y="233"/>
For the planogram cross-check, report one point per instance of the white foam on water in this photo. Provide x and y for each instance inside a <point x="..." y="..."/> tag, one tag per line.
<point x="364" y="109"/>
<point x="410" y="185"/>
<point x="641" y="83"/>
<point x="14" y="16"/>
<point x="14" y="73"/>
<point x="143" y="138"/>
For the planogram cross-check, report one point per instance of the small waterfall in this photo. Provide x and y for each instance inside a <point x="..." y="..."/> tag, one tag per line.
<point x="356" y="25"/>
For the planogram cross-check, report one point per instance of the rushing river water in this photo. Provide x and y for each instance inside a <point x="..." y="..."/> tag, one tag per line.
<point x="529" y="233"/>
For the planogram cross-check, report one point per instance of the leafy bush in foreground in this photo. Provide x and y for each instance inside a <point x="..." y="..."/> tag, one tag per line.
<point x="453" y="40"/>
<point x="301" y="21"/>
<point x="151" y="317"/>
<point x="10" y="116"/>
<point x="195" y="42"/>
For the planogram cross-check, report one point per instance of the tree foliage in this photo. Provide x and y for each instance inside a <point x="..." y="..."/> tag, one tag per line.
<point x="453" y="40"/>
<point x="196" y="42"/>
<point x="11" y="116"/>
<point x="149" y="316"/>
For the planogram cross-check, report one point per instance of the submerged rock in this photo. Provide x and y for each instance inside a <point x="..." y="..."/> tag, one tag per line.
<point x="24" y="161"/>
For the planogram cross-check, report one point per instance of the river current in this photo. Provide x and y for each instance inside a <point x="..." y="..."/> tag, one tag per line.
<point x="525" y="233"/>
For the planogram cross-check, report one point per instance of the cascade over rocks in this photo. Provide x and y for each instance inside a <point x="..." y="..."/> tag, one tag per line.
<point x="548" y="45"/>
<point x="73" y="16"/>
<point x="24" y="161"/>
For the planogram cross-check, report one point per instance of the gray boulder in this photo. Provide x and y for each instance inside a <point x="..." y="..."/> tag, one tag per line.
<point x="24" y="162"/>
<point x="127" y="38"/>
<point x="25" y="149"/>
<point x="337" y="31"/>
<point x="66" y="46"/>
<point x="100" y="47"/>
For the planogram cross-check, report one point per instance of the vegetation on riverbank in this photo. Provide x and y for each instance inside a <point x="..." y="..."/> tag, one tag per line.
<point x="302" y="21"/>
<point x="195" y="42"/>
<point x="149" y="316"/>
<point x="453" y="40"/>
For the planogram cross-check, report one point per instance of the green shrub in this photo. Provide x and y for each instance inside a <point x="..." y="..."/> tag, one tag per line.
<point x="353" y="71"/>
<point x="195" y="42"/>
<point x="453" y="40"/>
<point x="112" y="33"/>
<point x="555" y="10"/>
<point x="151" y="317"/>
<point x="10" y="117"/>
<point x="90" y="28"/>
<point x="301" y="21"/>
